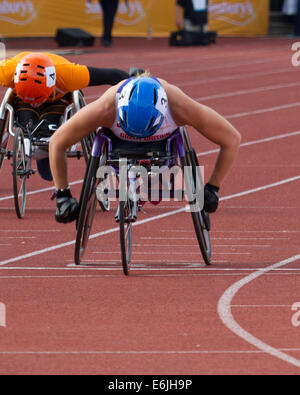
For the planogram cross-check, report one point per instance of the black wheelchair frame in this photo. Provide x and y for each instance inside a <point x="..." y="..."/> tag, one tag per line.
<point x="25" y="141"/>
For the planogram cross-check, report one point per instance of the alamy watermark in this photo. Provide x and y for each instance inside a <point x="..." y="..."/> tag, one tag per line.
<point x="296" y="57"/>
<point x="2" y="315"/>
<point x="2" y="49"/>
<point x="151" y="183"/>
<point x="296" y="315"/>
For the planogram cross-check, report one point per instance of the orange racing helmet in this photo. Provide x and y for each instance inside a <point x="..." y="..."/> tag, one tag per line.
<point x="35" y="78"/>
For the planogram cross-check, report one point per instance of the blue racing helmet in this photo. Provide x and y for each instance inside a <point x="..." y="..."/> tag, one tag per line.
<point x="142" y="105"/>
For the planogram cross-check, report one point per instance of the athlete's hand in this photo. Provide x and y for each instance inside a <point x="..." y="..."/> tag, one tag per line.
<point x="211" y="198"/>
<point x="67" y="207"/>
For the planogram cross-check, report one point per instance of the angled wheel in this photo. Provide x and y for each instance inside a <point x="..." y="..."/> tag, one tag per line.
<point x="88" y="201"/>
<point x="125" y="215"/>
<point x="87" y="145"/>
<point x="199" y="216"/>
<point x="20" y="173"/>
<point x="4" y="137"/>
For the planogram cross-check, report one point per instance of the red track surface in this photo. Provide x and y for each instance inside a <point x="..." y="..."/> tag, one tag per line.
<point x="171" y="315"/>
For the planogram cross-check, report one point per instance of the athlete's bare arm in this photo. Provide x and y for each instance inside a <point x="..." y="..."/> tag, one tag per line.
<point x="99" y="113"/>
<point x="210" y="124"/>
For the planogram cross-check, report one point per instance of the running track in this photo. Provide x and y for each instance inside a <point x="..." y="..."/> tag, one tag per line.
<point x="171" y="315"/>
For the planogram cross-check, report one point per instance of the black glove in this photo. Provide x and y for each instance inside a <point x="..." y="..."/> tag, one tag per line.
<point x="67" y="207"/>
<point x="211" y="198"/>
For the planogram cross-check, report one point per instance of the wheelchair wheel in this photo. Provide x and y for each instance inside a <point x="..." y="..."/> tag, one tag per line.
<point x="20" y="173"/>
<point x="200" y="217"/>
<point x="125" y="215"/>
<point x="88" y="201"/>
<point x="4" y="136"/>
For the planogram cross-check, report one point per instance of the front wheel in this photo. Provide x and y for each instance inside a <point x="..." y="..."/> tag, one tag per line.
<point x="20" y="173"/>
<point x="125" y="215"/>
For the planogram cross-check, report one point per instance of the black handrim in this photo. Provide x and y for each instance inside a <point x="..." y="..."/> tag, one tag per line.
<point x="19" y="173"/>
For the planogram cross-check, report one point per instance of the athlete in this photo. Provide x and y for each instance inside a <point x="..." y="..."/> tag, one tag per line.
<point x="43" y="83"/>
<point x="142" y="109"/>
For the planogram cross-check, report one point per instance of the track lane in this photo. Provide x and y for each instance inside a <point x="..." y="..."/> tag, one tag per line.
<point x="91" y="308"/>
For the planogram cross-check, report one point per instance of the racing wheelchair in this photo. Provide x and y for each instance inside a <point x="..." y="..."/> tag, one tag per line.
<point x="28" y="143"/>
<point x="126" y="159"/>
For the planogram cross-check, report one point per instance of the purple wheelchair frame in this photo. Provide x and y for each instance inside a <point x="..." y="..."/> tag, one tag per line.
<point x="174" y="149"/>
<point x="176" y="136"/>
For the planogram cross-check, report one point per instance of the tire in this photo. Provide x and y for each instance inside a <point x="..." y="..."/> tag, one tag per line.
<point x="19" y="173"/>
<point x="200" y="217"/>
<point x="125" y="213"/>
<point x="88" y="202"/>
<point x="87" y="210"/>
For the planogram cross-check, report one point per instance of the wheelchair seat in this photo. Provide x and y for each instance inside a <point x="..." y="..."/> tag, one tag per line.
<point x="136" y="150"/>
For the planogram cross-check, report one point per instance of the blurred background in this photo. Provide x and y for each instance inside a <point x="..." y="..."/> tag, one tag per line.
<point x="145" y="18"/>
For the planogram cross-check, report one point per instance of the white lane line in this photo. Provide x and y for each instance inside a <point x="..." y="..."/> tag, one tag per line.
<point x="238" y="231"/>
<point x="189" y="245"/>
<point x="248" y="91"/>
<point x="224" y="310"/>
<point x="228" y="94"/>
<point x="262" y="111"/>
<point x="262" y="188"/>
<point x="222" y="66"/>
<point x="26" y="231"/>
<point x="212" y="238"/>
<point x="145" y="352"/>
<point x="235" y="77"/>
<point x="261" y="305"/>
<point x="52" y="189"/>
<point x="154" y="218"/>
<point x="258" y="231"/>
<point x="253" y="142"/>
<point x="144" y="268"/>
<point x="213" y="151"/>
<point x="95" y="265"/>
